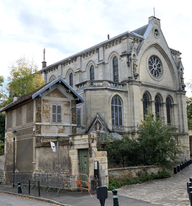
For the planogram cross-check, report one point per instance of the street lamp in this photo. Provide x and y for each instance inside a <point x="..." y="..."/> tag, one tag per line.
<point x="14" y="133"/>
<point x="58" y="137"/>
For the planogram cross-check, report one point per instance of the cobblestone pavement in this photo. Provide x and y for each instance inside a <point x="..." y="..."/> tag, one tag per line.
<point x="170" y="192"/>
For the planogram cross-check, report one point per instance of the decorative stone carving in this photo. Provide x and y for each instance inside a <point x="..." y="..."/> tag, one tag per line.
<point x="181" y="79"/>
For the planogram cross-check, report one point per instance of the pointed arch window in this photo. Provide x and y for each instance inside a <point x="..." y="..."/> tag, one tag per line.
<point x="168" y="108"/>
<point x="71" y="80"/>
<point x="116" y="111"/>
<point x="145" y="104"/>
<point x="92" y="73"/>
<point x="115" y="70"/>
<point x="157" y="107"/>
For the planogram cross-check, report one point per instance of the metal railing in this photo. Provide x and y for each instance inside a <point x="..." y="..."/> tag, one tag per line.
<point x="52" y="181"/>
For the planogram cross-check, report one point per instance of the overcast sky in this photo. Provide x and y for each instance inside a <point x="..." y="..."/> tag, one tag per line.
<point x="65" y="27"/>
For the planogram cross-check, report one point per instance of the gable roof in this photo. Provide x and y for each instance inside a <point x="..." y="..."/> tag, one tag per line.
<point x="40" y="90"/>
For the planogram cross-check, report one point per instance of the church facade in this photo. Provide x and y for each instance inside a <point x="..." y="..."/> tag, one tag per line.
<point x="122" y="78"/>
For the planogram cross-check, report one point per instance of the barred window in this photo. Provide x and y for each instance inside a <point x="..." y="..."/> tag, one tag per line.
<point x="78" y="117"/>
<point x="56" y="113"/>
<point x="115" y="70"/>
<point x="92" y="73"/>
<point x="116" y="111"/>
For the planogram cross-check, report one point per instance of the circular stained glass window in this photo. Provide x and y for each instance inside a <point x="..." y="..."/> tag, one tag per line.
<point x="155" y="67"/>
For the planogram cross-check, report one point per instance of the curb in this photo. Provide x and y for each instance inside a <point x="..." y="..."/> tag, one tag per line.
<point x="35" y="198"/>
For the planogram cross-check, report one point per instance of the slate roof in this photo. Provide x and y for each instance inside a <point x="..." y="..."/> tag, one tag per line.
<point x="141" y="31"/>
<point x="40" y="90"/>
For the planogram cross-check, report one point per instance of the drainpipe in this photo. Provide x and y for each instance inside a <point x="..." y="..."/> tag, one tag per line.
<point x="14" y="132"/>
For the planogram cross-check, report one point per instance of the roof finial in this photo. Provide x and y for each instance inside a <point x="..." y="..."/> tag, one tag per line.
<point x="154" y="11"/>
<point x="43" y="54"/>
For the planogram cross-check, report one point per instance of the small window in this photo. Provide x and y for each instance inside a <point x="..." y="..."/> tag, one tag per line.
<point x="92" y="73"/>
<point x="71" y="80"/>
<point x="78" y="117"/>
<point x="115" y="70"/>
<point x="56" y="113"/>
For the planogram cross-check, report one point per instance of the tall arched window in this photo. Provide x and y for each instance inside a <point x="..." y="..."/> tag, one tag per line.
<point x="115" y="70"/>
<point x="168" y="108"/>
<point x="92" y="73"/>
<point x="116" y="111"/>
<point x="145" y="104"/>
<point x="157" y="106"/>
<point x="71" y="80"/>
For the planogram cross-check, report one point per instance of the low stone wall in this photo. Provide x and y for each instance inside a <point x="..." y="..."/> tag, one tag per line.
<point x="132" y="172"/>
<point x="2" y="171"/>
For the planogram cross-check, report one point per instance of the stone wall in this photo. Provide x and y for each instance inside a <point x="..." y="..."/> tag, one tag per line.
<point x="132" y="172"/>
<point x="2" y="171"/>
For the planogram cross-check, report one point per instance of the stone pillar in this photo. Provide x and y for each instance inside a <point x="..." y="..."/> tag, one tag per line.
<point x="164" y="112"/>
<point x="152" y="106"/>
<point x="73" y="115"/>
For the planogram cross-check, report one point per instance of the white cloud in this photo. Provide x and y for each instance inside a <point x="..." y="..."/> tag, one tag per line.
<point x="67" y="27"/>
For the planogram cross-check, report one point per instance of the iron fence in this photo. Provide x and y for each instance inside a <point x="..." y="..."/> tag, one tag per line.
<point x="51" y="181"/>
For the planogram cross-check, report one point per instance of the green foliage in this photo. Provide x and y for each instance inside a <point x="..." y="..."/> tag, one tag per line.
<point x="24" y="78"/>
<point x="1" y="147"/>
<point x="189" y="112"/>
<point x="2" y="127"/>
<point x="155" y="145"/>
<point x="114" y="184"/>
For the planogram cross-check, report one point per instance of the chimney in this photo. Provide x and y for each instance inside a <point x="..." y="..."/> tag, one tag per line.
<point x="44" y="63"/>
<point x="14" y="97"/>
<point x="108" y="36"/>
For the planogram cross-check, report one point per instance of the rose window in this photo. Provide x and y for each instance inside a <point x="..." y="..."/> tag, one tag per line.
<point x="155" y="67"/>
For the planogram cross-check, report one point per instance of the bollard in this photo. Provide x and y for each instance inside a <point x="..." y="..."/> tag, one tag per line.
<point x="190" y="198"/>
<point x="181" y="167"/>
<point x="102" y="194"/>
<point x="175" y="170"/>
<point x="19" y="187"/>
<point x="189" y="184"/>
<point x="190" y="179"/>
<point x="115" y="198"/>
<point x="178" y="169"/>
<point x="29" y="188"/>
<point x="38" y="188"/>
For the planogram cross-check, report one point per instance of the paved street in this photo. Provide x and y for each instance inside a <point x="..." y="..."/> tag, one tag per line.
<point x="169" y="192"/>
<point x="10" y="200"/>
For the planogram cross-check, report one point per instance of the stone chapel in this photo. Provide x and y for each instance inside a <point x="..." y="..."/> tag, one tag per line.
<point x="124" y="76"/>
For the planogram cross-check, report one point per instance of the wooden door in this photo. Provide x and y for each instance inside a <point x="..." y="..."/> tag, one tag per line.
<point x="83" y="163"/>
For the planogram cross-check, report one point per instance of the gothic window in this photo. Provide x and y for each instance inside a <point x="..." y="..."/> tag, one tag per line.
<point x="157" y="107"/>
<point x="71" y="80"/>
<point x="116" y="111"/>
<point x="56" y="113"/>
<point x="92" y="73"/>
<point x="52" y="78"/>
<point x="145" y="104"/>
<point x="115" y="70"/>
<point x="168" y="108"/>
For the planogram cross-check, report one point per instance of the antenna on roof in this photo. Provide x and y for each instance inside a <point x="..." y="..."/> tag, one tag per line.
<point x="154" y="11"/>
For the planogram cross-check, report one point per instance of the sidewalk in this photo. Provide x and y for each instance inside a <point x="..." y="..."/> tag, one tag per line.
<point x="73" y="198"/>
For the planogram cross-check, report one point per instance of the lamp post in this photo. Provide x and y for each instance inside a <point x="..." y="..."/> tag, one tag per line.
<point x="14" y="132"/>
<point x="58" y="160"/>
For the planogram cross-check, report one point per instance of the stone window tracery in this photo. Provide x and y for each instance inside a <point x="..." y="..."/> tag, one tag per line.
<point x="168" y="108"/>
<point x="155" y="67"/>
<point x="145" y="104"/>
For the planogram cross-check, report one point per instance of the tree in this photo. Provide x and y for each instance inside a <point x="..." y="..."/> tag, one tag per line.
<point x="189" y="112"/>
<point x="157" y="142"/>
<point x="24" y="78"/>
